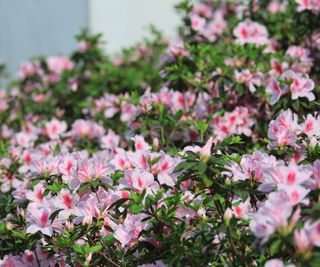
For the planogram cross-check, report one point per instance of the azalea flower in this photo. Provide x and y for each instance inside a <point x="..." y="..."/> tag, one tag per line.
<point x="139" y="181"/>
<point x="38" y="220"/>
<point x="277" y="263"/>
<point x="54" y="128"/>
<point x="128" y="232"/>
<point x="66" y="203"/>
<point x="250" y="32"/>
<point x="58" y="64"/>
<point x="87" y="170"/>
<point x="197" y="22"/>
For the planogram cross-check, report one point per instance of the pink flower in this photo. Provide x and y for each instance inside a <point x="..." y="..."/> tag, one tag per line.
<point x="197" y="22"/>
<point x="90" y="169"/>
<point x="86" y="129"/>
<point x="302" y="87"/>
<point x="252" y="80"/>
<point x="300" y="53"/>
<point x="274" y="89"/>
<point x="202" y="10"/>
<point x="283" y="131"/>
<point x="237" y="122"/>
<point x="241" y="209"/>
<point x="205" y="151"/>
<point x="316" y="174"/>
<point x="38" y="220"/>
<point x="313" y="5"/>
<point x="250" y="32"/>
<point x="314" y="232"/>
<point x="177" y="49"/>
<point x="286" y="176"/>
<point x="278" y="67"/>
<point x="302" y="241"/>
<point x="88" y="209"/>
<point x="297" y="194"/>
<point x="277" y="263"/>
<point x="139" y="181"/>
<point x="66" y="203"/>
<point x="65" y="166"/>
<point x="129" y="112"/>
<point x="156" y="264"/>
<point x="44" y="167"/>
<point x="140" y="144"/>
<point x="214" y="27"/>
<point x="58" y="64"/>
<point x="121" y="160"/>
<point x="110" y="141"/>
<point x="37" y="194"/>
<point x="164" y="169"/>
<point x="274" y="6"/>
<point x="272" y="216"/>
<point x="311" y="126"/>
<point x="29" y="69"/>
<point x="54" y="128"/>
<point x="128" y="232"/>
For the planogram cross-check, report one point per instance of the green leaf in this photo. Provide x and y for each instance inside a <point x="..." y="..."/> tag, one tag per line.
<point x="135" y="208"/>
<point x="95" y="248"/>
<point x="202" y="167"/>
<point x="77" y="248"/>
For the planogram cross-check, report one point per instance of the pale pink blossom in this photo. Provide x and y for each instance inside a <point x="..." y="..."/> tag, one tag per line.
<point x="54" y="128"/>
<point x="110" y="141"/>
<point x="58" y="64"/>
<point x="205" y="151"/>
<point x="38" y="220"/>
<point x="90" y="169"/>
<point x="164" y="169"/>
<point x="275" y="91"/>
<point x="197" y="22"/>
<point x="311" y="126"/>
<point x="66" y="203"/>
<point x="128" y="232"/>
<point x="277" y="263"/>
<point x="302" y="87"/>
<point x="140" y="181"/>
<point x="250" y="32"/>
<point x="140" y="143"/>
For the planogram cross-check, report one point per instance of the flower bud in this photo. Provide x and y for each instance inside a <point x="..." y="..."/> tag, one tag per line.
<point x="228" y="215"/>
<point x="155" y="143"/>
<point x="205" y="151"/>
<point x="88" y="259"/>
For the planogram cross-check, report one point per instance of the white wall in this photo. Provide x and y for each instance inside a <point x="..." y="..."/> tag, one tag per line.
<point x="125" y="22"/>
<point x="32" y="27"/>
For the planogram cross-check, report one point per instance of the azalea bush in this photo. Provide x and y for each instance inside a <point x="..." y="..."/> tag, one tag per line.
<point x="202" y="150"/>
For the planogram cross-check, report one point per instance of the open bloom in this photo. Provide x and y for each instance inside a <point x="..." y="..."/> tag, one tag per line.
<point x="164" y="169"/>
<point x="128" y="232"/>
<point x="197" y="22"/>
<point x="272" y="216"/>
<point x="139" y="181"/>
<point x="283" y="131"/>
<point x="58" y="64"/>
<point x="90" y="169"/>
<point x="302" y="87"/>
<point x="39" y="221"/>
<point x="275" y="91"/>
<point x="277" y="263"/>
<point x="54" y="128"/>
<point x="66" y="203"/>
<point x="250" y="32"/>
